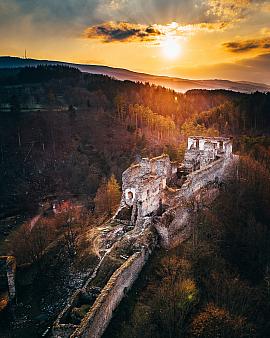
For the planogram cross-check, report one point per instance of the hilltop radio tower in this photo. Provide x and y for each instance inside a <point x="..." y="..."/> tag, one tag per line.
<point x="25" y="55"/>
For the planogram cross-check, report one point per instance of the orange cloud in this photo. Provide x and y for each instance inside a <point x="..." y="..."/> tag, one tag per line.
<point x="247" y="45"/>
<point x="122" y="31"/>
<point x="131" y="32"/>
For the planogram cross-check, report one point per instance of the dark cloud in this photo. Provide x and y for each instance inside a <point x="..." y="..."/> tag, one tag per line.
<point x="95" y="11"/>
<point x="49" y="11"/>
<point x="141" y="11"/>
<point x="122" y="31"/>
<point x="57" y="9"/>
<point x="247" y="45"/>
<point x="66" y="18"/>
<point x="186" y="11"/>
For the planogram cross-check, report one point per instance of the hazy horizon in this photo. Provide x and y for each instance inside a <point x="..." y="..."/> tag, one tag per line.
<point x="213" y="78"/>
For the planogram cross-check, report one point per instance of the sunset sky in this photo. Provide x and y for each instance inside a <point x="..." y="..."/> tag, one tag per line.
<point x="196" y="39"/>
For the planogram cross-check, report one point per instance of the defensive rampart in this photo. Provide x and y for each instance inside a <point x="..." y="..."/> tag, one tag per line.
<point x="200" y="178"/>
<point x="100" y="313"/>
<point x="174" y="226"/>
<point x="147" y="203"/>
<point x="96" y="321"/>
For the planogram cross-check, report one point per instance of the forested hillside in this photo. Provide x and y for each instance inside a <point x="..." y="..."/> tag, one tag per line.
<point x="63" y="130"/>
<point x="67" y="136"/>
<point x="216" y="284"/>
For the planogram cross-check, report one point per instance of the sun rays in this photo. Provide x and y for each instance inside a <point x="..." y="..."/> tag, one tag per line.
<point x="171" y="48"/>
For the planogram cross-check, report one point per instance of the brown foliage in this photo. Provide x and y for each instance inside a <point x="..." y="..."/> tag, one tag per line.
<point x="214" y="321"/>
<point x="28" y="245"/>
<point x="107" y="197"/>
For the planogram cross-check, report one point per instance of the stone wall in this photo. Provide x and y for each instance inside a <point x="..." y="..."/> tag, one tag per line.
<point x="198" y="179"/>
<point x="175" y="225"/>
<point x="11" y="272"/>
<point x="95" y="322"/>
<point x="144" y="183"/>
<point x="61" y="329"/>
<point x="100" y="313"/>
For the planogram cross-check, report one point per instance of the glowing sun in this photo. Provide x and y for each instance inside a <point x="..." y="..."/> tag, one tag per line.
<point x="171" y="48"/>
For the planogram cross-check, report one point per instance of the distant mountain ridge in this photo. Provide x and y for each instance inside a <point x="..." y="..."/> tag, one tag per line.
<point x="178" y="84"/>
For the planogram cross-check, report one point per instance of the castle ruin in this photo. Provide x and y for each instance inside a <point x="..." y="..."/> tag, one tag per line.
<point x="157" y="205"/>
<point x="144" y="184"/>
<point x="203" y="150"/>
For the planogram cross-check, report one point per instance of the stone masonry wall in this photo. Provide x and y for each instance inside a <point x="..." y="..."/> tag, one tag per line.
<point x="198" y="179"/>
<point x="98" y="318"/>
<point x="143" y="184"/>
<point x="174" y="226"/>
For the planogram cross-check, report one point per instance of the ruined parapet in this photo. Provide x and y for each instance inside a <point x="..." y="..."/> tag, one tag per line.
<point x="222" y="144"/>
<point x="203" y="150"/>
<point x="175" y="225"/>
<point x="7" y="280"/>
<point x="100" y="307"/>
<point x="157" y="166"/>
<point x="143" y="186"/>
<point x="98" y="318"/>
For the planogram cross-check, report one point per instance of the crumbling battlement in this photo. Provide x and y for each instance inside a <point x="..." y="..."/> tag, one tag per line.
<point x="100" y="308"/>
<point x="157" y="199"/>
<point x="97" y="319"/>
<point x="203" y="150"/>
<point x="174" y="226"/>
<point x="144" y="183"/>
